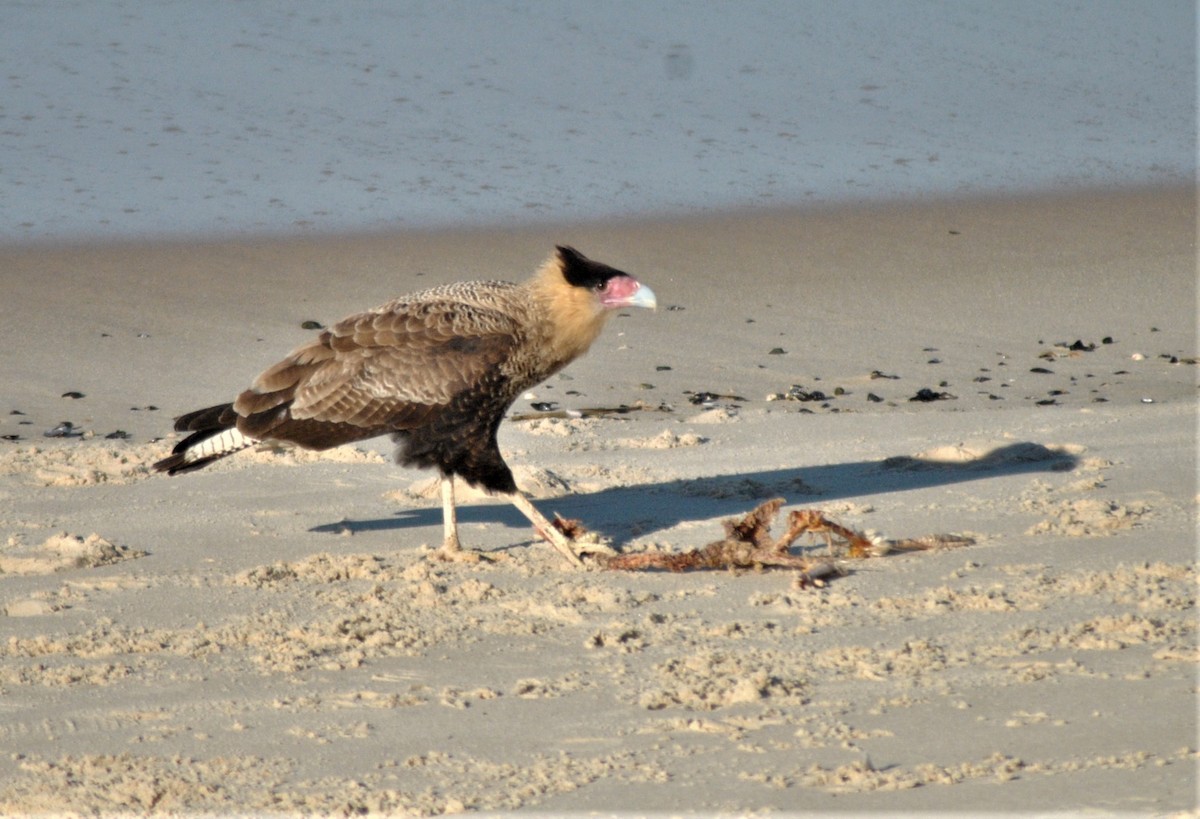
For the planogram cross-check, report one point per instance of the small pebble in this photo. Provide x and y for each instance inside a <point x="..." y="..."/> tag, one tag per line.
<point x="72" y="394"/>
<point x="311" y="325"/>
<point x="926" y="394"/>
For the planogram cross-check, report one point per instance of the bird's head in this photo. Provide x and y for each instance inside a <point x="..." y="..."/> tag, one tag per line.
<point x="612" y="287"/>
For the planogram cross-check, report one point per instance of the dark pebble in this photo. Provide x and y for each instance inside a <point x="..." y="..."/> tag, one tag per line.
<point x="1106" y="340"/>
<point x="934" y="361"/>
<point x="926" y="394"/>
<point x="117" y="435"/>
<point x="544" y="406"/>
<point x="873" y="398"/>
<point x="311" y="325"/>
<point x="1080" y="346"/>
<point x="16" y="412"/>
<point x="72" y="394"/>
<point x="878" y="374"/>
<point x="798" y="393"/>
<point x="777" y="351"/>
<point x="10" y="437"/>
<point x="662" y="368"/>
<point x="1047" y="402"/>
<point x="979" y="379"/>
<point x="1041" y="370"/>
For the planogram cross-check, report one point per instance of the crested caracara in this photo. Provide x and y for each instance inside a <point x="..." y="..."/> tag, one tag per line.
<point x="436" y="370"/>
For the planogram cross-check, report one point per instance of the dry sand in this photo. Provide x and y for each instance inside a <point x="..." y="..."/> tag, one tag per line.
<point x="272" y="634"/>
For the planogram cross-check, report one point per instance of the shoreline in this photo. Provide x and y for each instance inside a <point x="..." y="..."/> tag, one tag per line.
<point x="273" y="635"/>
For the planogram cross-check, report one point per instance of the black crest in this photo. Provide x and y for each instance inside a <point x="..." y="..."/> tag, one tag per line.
<point x="581" y="271"/>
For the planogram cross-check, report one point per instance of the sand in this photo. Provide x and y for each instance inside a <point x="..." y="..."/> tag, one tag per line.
<point x="274" y="634"/>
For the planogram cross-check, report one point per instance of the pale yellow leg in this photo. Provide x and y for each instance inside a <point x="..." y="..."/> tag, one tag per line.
<point x="451" y="547"/>
<point x="449" y="516"/>
<point x="544" y="528"/>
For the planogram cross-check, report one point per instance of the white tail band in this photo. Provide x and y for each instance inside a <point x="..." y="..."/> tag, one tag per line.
<point x="225" y="443"/>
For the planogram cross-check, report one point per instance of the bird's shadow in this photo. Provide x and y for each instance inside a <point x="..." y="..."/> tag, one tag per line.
<point x="622" y="511"/>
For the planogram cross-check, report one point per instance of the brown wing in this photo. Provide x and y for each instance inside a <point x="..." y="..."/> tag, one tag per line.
<point x="390" y="369"/>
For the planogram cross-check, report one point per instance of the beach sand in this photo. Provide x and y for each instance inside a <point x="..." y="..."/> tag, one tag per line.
<point x="274" y="634"/>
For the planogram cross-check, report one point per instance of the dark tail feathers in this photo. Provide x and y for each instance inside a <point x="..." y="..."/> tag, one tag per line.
<point x="203" y="424"/>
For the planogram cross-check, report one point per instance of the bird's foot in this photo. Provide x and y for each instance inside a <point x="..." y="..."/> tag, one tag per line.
<point x="451" y="551"/>
<point x="570" y="534"/>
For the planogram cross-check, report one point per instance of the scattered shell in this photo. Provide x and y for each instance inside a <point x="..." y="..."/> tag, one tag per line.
<point x="798" y="393"/>
<point x="705" y="397"/>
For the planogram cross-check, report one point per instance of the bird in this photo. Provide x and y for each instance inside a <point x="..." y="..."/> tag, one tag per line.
<point x="436" y="370"/>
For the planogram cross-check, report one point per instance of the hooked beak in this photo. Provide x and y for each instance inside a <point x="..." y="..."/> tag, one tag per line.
<point x="626" y="291"/>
